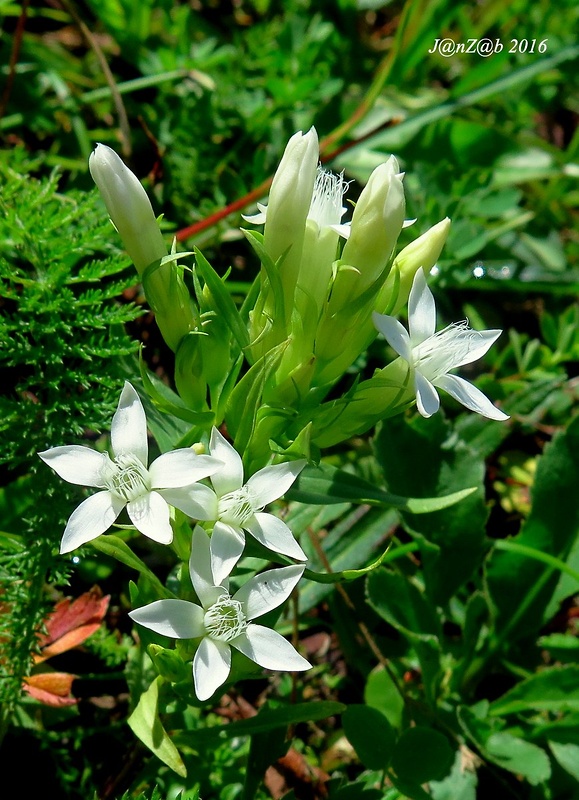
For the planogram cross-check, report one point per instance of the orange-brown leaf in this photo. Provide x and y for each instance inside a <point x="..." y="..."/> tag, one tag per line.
<point x="51" y="688"/>
<point x="72" y="622"/>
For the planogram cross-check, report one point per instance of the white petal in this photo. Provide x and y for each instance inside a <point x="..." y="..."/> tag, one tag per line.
<point x="408" y="222"/>
<point x="478" y="344"/>
<point x="129" y="426"/>
<point x="211" y="667"/>
<point x="343" y="229"/>
<point x="230" y="476"/>
<point x="200" y="569"/>
<point x="197" y="501"/>
<point x="259" y="218"/>
<point x="178" y="619"/>
<point x="150" y="515"/>
<point x="470" y="396"/>
<point x="226" y="547"/>
<point x="421" y="310"/>
<point x="427" y="399"/>
<point x="270" y="650"/>
<point x="268" y="590"/>
<point x="181" y="468"/>
<point x="276" y="535"/>
<point x="270" y="483"/>
<point x="93" y="516"/>
<point x="395" y="334"/>
<point x="77" y="464"/>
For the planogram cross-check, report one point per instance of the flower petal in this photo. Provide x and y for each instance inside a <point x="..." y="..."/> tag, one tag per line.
<point x="226" y="547"/>
<point x="270" y="483"/>
<point x="197" y="501"/>
<point x="150" y="515"/>
<point x="427" y="399"/>
<point x="421" y="310"/>
<point x="178" y="619"/>
<point x="395" y="334"/>
<point x="200" y="569"/>
<point x="77" y="464"/>
<point x="211" y="667"/>
<point x="93" y="516"/>
<point x="275" y="534"/>
<point x="230" y="476"/>
<point x="269" y="649"/>
<point x="478" y="344"/>
<point x="129" y="426"/>
<point x="268" y="590"/>
<point x="470" y="396"/>
<point x="181" y="468"/>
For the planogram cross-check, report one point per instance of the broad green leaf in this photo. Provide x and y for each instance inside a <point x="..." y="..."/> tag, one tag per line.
<point x="427" y="456"/>
<point x="460" y="784"/>
<point x="555" y="689"/>
<point x="435" y="759"/>
<point x="326" y="484"/>
<point x="370" y="734"/>
<point x="170" y="403"/>
<point x="145" y="723"/>
<point x="519" y="757"/>
<point x="521" y="587"/>
<point x="399" y="601"/>
<point x="567" y="754"/>
<point x="267" y="720"/>
<point x="381" y="693"/>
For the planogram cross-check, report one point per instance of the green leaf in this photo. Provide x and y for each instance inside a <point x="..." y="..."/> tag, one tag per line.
<point x="435" y="760"/>
<point x="432" y="459"/>
<point x="460" y="784"/>
<point x="326" y="484"/>
<point x="382" y="693"/>
<point x="112" y="546"/>
<point x="223" y="301"/>
<point x="370" y="734"/>
<point x="521" y="587"/>
<point x="567" y="754"/>
<point x="399" y="601"/>
<point x="555" y="689"/>
<point x="519" y="757"/>
<point x="145" y="723"/>
<point x="268" y="719"/>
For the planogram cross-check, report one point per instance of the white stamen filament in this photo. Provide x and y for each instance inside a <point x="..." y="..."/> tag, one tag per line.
<point x="326" y="208"/>
<point x="128" y="478"/>
<point x="225" y="620"/>
<point x="445" y="349"/>
<point x="236" y="508"/>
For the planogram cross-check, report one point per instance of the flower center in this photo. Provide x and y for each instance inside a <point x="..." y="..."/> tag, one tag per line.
<point x="128" y="478"/>
<point x="445" y="350"/>
<point x="236" y="508"/>
<point x="326" y="207"/>
<point x="225" y="619"/>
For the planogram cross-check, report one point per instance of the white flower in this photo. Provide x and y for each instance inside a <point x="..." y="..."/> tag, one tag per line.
<point x="126" y="481"/>
<point x="225" y="621"/>
<point x="237" y="507"/>
<point x="432" y="355"/>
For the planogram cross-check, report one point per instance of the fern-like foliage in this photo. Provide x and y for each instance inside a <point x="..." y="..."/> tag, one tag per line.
<point x="62" y="338"/>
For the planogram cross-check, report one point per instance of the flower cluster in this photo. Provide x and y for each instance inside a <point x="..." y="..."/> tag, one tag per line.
<point x="228" y="509"/>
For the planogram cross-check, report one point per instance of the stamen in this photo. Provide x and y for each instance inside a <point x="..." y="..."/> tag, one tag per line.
<point x="445" y="349"/>
<point x="128" y="478"/>
<point x="225" y="619"/>
<point x="236" y="508"/>
<point x="326" y="207"/>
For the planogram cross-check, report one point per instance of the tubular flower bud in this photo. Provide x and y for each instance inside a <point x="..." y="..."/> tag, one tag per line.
<point x="422" y="252"/>
<point x="129" y="207"/>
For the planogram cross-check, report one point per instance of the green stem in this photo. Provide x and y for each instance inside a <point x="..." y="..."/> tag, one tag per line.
<point x="538" y="555"/>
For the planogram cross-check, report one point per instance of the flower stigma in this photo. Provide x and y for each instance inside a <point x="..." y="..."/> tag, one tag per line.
<point x="225" y="619"/>
<point x="128" y="478"/>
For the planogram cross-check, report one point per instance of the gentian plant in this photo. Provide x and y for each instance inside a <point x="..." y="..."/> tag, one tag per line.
<point x="256" y="392"/>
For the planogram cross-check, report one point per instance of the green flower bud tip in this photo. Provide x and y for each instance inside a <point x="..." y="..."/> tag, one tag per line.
<point x="129" y="207"/>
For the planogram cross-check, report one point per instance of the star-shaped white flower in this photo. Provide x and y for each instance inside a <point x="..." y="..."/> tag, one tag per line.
<point x="432" y="355"/>
<point x="126" y="480"/>
<point x="225" y="621"/>
<point x="236" y="507"/>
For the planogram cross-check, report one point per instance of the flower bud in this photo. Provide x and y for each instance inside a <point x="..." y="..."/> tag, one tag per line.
<point x="422" y="252"/>
<point x="376" y="224"/>
<point x="129" y="207"/>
